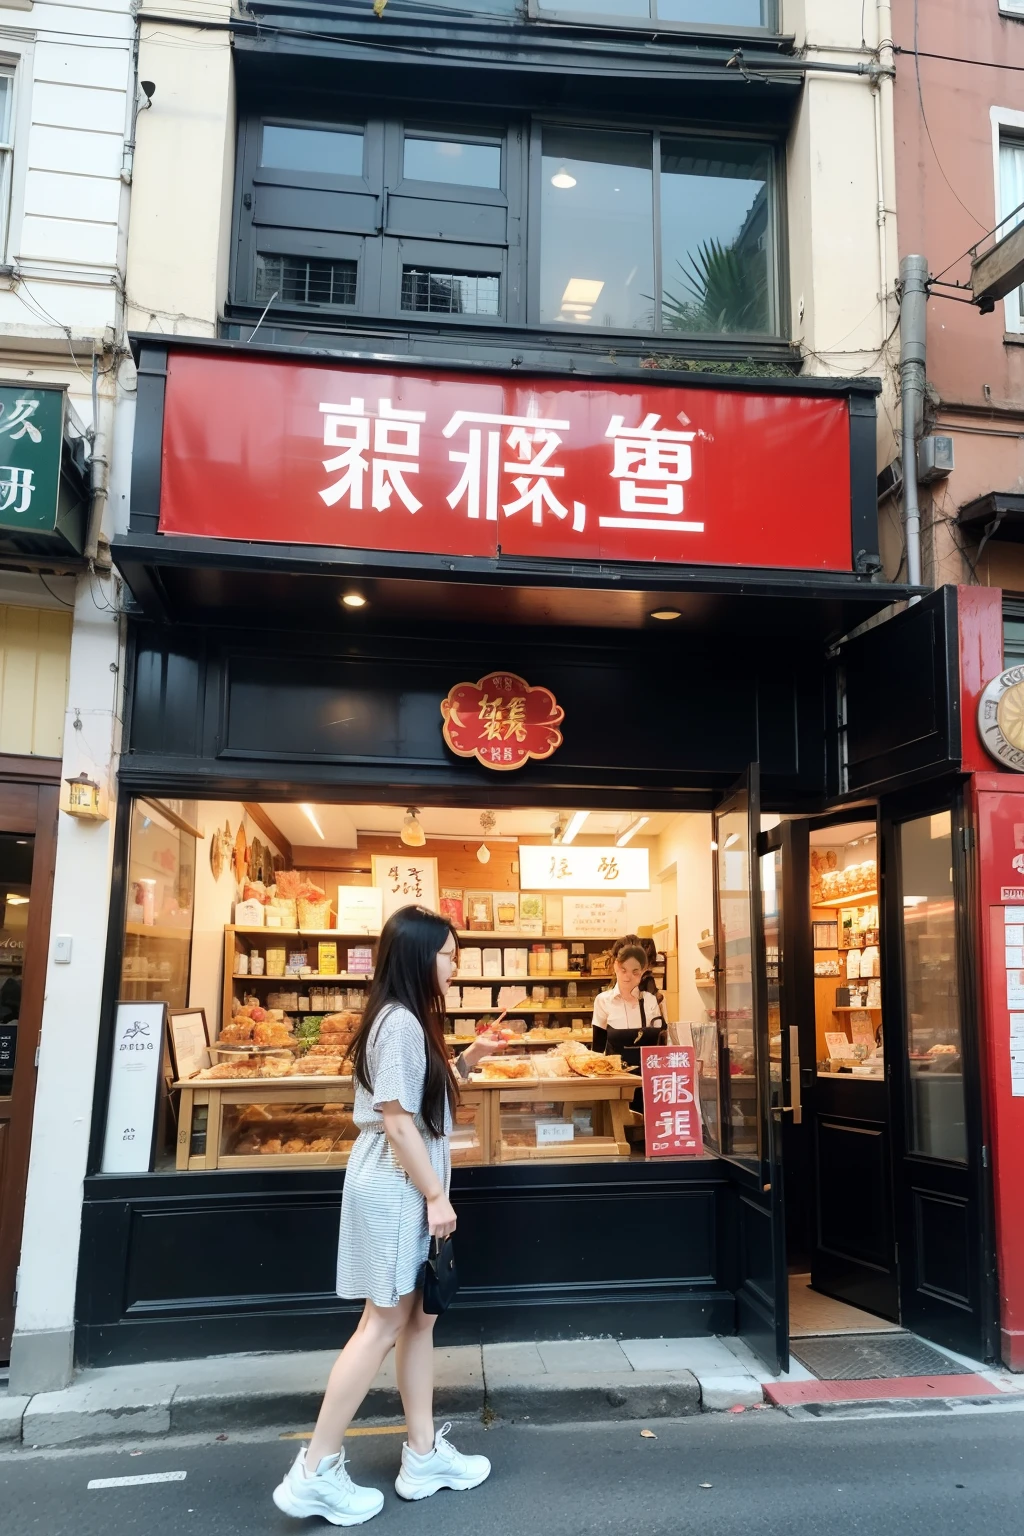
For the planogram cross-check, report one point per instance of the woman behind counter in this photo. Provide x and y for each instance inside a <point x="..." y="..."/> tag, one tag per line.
<point x="621" y="1013"/>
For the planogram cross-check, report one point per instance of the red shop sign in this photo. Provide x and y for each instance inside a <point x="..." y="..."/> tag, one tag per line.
<point x="477" y="465"/>
<point x="502" y="721"/>
<point x="671" y="1113"/>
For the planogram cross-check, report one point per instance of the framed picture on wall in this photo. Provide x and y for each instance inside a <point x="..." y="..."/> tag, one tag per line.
<point x="480" y="911"/>
<point x="453" y="906"/>
<point x="188" y="1040"/>
<point x="405" y="882"/>
<point x="130" y="1136"/>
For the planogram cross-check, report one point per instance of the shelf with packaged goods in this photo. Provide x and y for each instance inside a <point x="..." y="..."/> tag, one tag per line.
<point x="462" y="980"/>
<point x="862" y="899"/>
<point x="294" y="976"/>
<point x="538" y="938"/>
<point x="518" y="1008"/>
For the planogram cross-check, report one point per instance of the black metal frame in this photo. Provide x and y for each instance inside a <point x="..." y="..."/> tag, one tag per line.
<point x="976" y="1176"/>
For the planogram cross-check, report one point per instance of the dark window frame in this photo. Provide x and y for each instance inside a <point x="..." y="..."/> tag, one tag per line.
<point x="778" y="264"/>
<point x="390" y="247"/>
<point x="550" y="11"/>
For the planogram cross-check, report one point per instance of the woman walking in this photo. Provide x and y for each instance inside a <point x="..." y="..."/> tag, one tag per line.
<point x="395" y="1200"/>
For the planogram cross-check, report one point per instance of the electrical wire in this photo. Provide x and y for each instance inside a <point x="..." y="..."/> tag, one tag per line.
<point x="924" y="119"/>
<point x="52" y="593"/>
<point x="952" y="58"/>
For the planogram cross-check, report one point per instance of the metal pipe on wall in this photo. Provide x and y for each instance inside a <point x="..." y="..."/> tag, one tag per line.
<point x="913" y="339"/>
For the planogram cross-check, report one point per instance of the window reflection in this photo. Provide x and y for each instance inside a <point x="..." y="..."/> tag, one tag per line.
<point x="736" y="992"/>
<point x="706" y="13"/>
<point x="937" y="1121"/>
<point x="597" y="218"/>
<point x="329" y="151"/>
<point x="715" y="236"/>
<point x="455" y="162"/>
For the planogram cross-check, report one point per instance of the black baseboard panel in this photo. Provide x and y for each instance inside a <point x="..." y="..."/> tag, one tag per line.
<point x="181" y="1265"/>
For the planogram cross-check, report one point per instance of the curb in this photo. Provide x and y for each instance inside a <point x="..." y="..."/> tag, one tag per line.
<point x="45" y="1423"/>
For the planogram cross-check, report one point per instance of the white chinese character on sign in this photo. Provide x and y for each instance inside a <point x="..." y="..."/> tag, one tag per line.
<point x="674" y="1122"/>
<point x="663" y="1089"/>
<point x="652" y="464"/>
<point x="21" y="417"/>
<point x="678" y="1059"/>
<point x="534" y="443"/>
<point x="395" y="453"/>
<point x="16" y="487"/>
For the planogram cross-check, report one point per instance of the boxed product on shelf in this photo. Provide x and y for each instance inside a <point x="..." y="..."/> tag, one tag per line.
<point x="540" y="960"/>
<point x="510" y="997"/>
<point x="506" y="911"/>
<point x="359" y="961"/>
<point x="249" y="914"/>
<point x="327" y="958"/>
<point x="476" y="997"/>
<point x="559" y="959"/>
<point x="471" y="962"/>
<point x="516" y="962"/>
<point x="492" y="962"/>
<point x="454" y="997"/>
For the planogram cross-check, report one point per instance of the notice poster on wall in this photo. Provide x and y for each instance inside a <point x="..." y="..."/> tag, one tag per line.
<point x="671" y="1117"/>
<point x="360" y="909"/>
<point x="593" y="917"/>
<point x="405" y="882"/>
<point x="134" y="1075"/>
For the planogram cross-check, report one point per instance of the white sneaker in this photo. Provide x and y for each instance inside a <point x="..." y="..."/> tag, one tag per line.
<point x="329" y="1493"/>
<point x="443" y="1467"/>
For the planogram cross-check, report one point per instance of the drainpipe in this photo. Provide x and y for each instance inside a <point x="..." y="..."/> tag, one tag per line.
<point x="99" y="464"/>
<point x="913" y="310"/>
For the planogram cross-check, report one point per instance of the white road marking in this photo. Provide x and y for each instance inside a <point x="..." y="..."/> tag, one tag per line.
<point x="134" y="1482"/>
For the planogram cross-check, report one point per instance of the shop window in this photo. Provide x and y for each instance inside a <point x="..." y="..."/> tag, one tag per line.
<point x="719" y="15"/>
<point x="619" y="208"/>
<point x="450" y="293"/>
<point x="158" y="918"/>
<point x="936" y="1112"/>
<point x="1013" y="640"/>
<point x="298" y="281"/>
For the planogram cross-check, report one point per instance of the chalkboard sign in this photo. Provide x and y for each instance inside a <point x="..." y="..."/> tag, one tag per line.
<point x="8" y="1046"/>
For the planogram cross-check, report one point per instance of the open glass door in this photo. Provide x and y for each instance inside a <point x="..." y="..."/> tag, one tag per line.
<point x="746" y="873"/>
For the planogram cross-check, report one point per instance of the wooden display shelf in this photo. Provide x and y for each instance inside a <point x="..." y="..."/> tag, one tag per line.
<point x="849" y="1007"/>
<point x="266" y="931"/>
<point x="707" y="948"/>
<point x="462" y="980"/>
<point x="862" y="899"/>
<point x="541" y="938"/>
<point x="157" y="931"/>
<point x="313" y="976"/>
<point x="524" y="1008"/>
<point x="610" y="1097"/>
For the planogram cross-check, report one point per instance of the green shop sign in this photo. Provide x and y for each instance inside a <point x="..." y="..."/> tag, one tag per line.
<point x="31" y="437"/>
<point x="44" y="486"/>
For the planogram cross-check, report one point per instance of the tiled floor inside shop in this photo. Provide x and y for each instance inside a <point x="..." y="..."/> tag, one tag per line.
<point x="811" y="1313"/>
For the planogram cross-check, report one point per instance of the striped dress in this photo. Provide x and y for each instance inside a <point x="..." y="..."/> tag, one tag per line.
<point x="384" y="1240"/>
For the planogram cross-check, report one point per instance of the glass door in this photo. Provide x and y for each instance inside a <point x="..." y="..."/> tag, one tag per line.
<point x="748" y="1129"/>
<point x="937" y="1131"/>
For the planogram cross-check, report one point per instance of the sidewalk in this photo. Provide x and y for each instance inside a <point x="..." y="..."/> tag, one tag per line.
<point x="542" y="1383"/>
<point x="553" y="1382"/>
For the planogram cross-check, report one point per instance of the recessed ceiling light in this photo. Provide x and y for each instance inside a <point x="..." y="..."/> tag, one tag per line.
<point x="665" y="613"/>
<point x="16" y="901"/>
<point x="354" y="600"/>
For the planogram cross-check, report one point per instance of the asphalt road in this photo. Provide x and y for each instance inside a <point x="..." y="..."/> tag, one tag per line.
<point x="935" y="1475"/>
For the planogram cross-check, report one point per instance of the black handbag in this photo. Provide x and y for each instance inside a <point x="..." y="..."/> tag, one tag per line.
<point x="440" y="1277"/>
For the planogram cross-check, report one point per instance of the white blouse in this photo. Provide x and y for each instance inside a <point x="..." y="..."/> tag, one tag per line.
<point x="613" y="1011"/>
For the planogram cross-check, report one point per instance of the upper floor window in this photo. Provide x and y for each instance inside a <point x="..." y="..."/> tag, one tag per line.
<point x="719" y="15"/>
<point x="630" y="230"/>
<point x="1011" y="210"/>
<point x="6" y="150"/>
<point x="656" y="232"/>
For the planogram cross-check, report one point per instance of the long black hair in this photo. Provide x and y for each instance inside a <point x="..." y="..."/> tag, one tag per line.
<point x="406" y="974"/>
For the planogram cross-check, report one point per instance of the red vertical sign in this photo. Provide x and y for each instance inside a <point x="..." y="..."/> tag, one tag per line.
<point x="671" y="1113"/>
